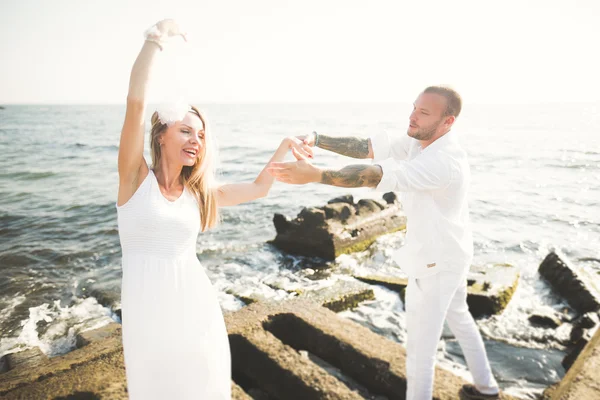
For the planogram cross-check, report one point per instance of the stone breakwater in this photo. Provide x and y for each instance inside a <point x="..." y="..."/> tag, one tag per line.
<point x="582" y="363"/>
<point x="582" y="380"/>
<point x="291" y="350"/>
<point x="581" y="292"/>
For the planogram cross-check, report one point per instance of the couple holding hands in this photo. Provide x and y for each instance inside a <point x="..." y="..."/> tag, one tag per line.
<point x="174" y="337"/>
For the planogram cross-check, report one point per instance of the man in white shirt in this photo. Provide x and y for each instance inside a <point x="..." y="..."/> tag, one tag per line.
<point x="430" y="169"/>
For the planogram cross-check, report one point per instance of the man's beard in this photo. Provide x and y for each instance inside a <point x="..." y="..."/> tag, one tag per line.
<point x="425" y="133"/>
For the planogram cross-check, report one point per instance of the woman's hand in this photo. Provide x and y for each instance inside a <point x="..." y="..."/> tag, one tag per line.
<point x="299" y="146"/>
<point x="163" y="31"/>
<point x="297" y="173"/>
<point x="237" y="193"/>
<point x="309" y="139"/>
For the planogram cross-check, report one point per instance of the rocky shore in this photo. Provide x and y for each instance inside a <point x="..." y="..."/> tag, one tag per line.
<point x="582" y="380"/>
<point x="300" y="349"/>
<point x="296" y="350"/>
<point x="293" y="349"/>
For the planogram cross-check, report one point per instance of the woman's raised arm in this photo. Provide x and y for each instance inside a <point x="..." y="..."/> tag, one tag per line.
<point x="132" y="166"/>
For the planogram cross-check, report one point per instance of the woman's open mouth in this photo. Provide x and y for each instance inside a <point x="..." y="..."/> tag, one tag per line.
<point x="191" y="152"/>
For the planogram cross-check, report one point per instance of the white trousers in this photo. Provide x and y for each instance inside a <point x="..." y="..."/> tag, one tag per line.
<point x="429" y="301"/>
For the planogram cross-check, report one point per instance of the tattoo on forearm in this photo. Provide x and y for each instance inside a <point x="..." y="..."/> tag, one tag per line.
<point x="353" y="176"/>
<point x="354" y="147"/>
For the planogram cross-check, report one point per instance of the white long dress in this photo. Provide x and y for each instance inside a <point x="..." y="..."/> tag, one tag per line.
<point x="174" y="337"/>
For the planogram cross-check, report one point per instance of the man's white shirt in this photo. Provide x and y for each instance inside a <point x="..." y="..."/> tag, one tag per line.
<point x="434" y="184"/>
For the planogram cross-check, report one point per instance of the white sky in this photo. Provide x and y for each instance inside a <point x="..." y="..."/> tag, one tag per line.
<point x="67" y="51"/>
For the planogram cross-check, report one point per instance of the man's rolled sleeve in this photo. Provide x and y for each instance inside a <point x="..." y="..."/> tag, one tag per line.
<point x="419" y="174"/>
<point x="380" y="143"/>
<point x="388" y="180"/>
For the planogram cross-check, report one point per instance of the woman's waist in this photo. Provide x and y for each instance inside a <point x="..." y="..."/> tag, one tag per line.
<point x="134" y="253"/>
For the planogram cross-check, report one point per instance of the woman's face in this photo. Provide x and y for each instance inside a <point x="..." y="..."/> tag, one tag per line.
<point x="183" y="142"/>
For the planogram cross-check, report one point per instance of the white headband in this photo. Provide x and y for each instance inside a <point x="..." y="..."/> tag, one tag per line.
<point x="169" y="113"/>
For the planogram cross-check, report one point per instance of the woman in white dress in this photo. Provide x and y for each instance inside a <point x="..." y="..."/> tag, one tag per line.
<point x="174" y="337"/>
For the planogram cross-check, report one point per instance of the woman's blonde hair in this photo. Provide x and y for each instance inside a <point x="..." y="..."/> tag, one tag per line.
<point x="199" y="178"/>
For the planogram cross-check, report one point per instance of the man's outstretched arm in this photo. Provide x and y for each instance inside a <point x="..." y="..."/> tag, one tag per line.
<point x="353" y="176"/>
<point x="349" y="146"/>
<point x="302" y="172"/>
<point x="428" y="171"/>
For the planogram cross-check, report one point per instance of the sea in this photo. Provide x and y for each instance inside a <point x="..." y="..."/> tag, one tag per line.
<point x="535" y="188"/>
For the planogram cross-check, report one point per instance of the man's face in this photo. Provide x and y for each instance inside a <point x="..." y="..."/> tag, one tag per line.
<point x="427" y="116"/>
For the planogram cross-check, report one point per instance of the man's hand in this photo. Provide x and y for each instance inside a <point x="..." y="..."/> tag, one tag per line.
<point x="309" y="139"/>
<point x="302" y="172"/>
<point x="354" y="147"/>
<point x="296" y="173"/>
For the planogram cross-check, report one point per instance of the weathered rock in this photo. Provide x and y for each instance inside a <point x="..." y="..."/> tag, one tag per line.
<point x="545" y="321"/>
<point x="273" y="361"/>
<point x="493" y="289"/>
<point x="577" y="333"/>
<point x="313" y="216"/>
<point x="107" y="297"/>
<point x="586" y="321"/>
<point x="247" y="299"/>
<point x="281" y="222"/>
<point x="575" y="351"/>
<point x="24" y="359"/>
<point x="573" y="285"/>
<point x="589" y="259"/>
<point x="343" y="199"/>
<point x="581" y="380"/>
<point x="391" y="282"/>
<point x="96" y="370"/>
<point x="340" y="296"/>
<point x="279" y="370"/>
<point x="237" y="393"/>
<point x="264" y="365"/>
<point x="581" y="325"/>
<point x="390" y="197"/>
<point x="340" y="227"/>
<point x="87" y="337"/>
<point x="489" y="292"/>
<point x="581" y="331"/>
<point x="367" y="206"/>
<point x="93" y="371"/>
<point x="339" y="211"/>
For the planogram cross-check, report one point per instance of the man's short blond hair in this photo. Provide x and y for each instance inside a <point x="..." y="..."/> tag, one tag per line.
<point x="453" y="99"/>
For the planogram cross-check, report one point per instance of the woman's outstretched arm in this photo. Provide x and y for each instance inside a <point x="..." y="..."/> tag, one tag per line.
<point x="237" y="193"/>
<point x="132" y="166"/>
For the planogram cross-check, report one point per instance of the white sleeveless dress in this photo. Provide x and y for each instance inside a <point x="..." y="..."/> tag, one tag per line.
<point x="174" y="338"/>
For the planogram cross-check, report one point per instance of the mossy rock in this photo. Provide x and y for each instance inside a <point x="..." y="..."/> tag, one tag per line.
<point x="490" y="293"/>
<point x="357" y="247"/>
<point x="342" y="295"/>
